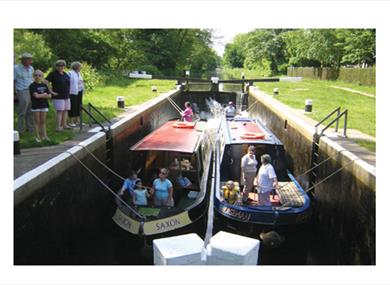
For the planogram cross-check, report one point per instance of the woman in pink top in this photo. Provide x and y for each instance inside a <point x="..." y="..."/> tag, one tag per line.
<point x="187" y="113"/>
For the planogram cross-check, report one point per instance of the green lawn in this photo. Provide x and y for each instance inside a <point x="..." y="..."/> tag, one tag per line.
<point x="104" y="98"/>
<point x="361" y="109"/>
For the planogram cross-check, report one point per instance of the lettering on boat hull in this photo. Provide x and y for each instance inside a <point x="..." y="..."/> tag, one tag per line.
<point x="125" y="222"/>
<point x="167" y="224"/>
<point x="236" y="213"/>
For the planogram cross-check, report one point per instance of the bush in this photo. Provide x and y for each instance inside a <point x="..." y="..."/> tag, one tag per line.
<point x="91" y="77"/>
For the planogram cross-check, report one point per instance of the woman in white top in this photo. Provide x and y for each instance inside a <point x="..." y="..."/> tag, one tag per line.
<point x="76" y="93"/>
<point x="266" y="180"/>
<point x="248" y="169"/>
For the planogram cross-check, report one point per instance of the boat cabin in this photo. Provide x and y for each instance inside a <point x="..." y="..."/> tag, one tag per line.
<point x="237" y="135"/>
<point x="179" y="149"/>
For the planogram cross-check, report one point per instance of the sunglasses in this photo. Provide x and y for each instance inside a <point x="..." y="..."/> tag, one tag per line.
<point x="38" y="75"/>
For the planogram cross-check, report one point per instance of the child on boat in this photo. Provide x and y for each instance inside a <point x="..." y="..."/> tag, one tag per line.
<point x="129" y="184"/>
<point x="141" y="194"/>
<point x="187" y="113"/>
<point x="231" y="192"/>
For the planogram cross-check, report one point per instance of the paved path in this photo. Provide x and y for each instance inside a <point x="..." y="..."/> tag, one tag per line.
<point x="354" y="91"/>
<point x="31" y="158"/>
<point x="348" y="142"/>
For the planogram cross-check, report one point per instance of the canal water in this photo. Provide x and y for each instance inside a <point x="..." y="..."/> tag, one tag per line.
<point x="113" y="246"/>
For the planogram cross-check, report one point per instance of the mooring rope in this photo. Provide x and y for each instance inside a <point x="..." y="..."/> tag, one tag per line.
<point x="102" y="163"/>
<point x="174" y="105"/>
<point x="329" y="176"/>
<point x="251" y="105"/>
<point x="210" y="212"/>
<point x="322" y="162"/>
<point x="106" y="186"/>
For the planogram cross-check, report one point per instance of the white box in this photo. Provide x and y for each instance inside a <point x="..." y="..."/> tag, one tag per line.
<point x="232" y="249"/>
<point x="178" y="250"/>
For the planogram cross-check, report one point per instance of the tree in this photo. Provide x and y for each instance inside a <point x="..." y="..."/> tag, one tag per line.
<point x="359" y="47"/>
<point x="25" y="41"/>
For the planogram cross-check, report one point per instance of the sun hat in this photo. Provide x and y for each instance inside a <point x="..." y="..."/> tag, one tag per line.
<point x="26" y="55"/>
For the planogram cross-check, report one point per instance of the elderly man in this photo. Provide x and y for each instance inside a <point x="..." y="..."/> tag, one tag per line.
<point x="230" y="111"/>
<point x="23" y="77"/>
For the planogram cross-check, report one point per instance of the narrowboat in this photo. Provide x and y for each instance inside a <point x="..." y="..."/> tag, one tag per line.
<point x="290" y="204"/>
<point x="185" y="150"/>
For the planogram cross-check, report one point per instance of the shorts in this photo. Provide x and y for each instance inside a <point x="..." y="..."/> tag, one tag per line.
<point x="40" y="110"/>
<point x="61" y="104"/>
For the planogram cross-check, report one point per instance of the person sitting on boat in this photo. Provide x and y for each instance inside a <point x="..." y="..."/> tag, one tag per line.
<point x="163" y="190"/>
<point x="129" y="184"/>
<point x="248" y="170"/>
<point x="266" y="180"/>
<point x="141" y="194"/>
<point x="231" y="192"/>
<point x="187" y="113"/>
<point x="230" y="110"/>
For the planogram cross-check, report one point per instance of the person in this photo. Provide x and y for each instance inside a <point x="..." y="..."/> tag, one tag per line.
<point x="141" y="194"/>
<point x="187" y="113"/>
<point x="248" y="170"/>
<point x="163" y="190"/>
<point x="39" y="93"/>
<point x="76" y="93"/>
<point x="129" y="184"/>
<point x="231" y="192"/>
<point x="266" y="180"/>
<point x="60" y="83"/>
<point x="23" y="77"/>
<point x="230" y="110"/>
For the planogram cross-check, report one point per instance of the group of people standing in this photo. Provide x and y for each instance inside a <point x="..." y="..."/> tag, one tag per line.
<point x="33" y="91"/>
<point x="162" y="190"/>
<point x="265" y="179"/>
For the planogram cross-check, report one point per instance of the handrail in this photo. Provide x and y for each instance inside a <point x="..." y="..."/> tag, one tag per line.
<point x="330" y="114"/>
<point x="93" y="118"/>
<point x="101" y="114"/>
<point x="345" y="114"/>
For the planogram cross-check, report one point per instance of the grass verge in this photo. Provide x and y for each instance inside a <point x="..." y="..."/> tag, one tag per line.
<point x="104" y="98"/>
<point x="361" y="109"/>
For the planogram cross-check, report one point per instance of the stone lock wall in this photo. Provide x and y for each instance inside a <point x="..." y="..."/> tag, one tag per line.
<point x="344" y="205"/>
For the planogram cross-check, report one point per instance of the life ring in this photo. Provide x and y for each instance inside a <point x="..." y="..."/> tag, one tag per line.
<point x="184" y="125"/>
<point x="252" y="136"/>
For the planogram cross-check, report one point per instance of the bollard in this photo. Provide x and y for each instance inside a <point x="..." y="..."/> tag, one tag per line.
<point x="121" y="101"/>
<point x="154" y="88"/>
<point x="308" y="105"/>
<point x="276" y="91"/>
<point x="16" y="143"/>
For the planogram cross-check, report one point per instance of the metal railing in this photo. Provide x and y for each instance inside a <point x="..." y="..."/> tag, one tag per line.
<point x="335" y="120"/>
<point x="88" y="111"/>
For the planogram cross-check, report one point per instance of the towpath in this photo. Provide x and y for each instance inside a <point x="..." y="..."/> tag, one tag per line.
<point x="31" y="158"/>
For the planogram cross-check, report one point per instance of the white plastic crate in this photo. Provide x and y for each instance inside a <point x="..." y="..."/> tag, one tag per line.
<point x="232" y="249"/>
<point x="178" y="250"/>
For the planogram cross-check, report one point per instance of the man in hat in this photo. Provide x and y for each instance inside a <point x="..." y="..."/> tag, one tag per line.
<point x="230" y="111"/>
<point x="23" y="77"/>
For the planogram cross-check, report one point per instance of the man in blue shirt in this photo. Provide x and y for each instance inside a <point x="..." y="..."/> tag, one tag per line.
<point x="23" y="77"/>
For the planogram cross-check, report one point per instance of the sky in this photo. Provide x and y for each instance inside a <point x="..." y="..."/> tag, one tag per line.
<point x="223" y="36"/>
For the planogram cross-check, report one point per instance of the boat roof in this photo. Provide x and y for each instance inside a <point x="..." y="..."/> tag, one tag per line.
<point x="233" y="131"/>
<point x="169" y="138"/>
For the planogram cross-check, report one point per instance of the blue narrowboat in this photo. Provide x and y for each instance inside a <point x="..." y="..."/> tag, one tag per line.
<point x="290" y="204"/>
